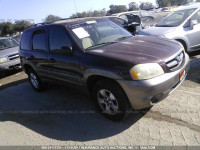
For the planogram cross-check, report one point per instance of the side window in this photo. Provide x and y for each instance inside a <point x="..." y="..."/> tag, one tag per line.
<point x="124" y="17"/>
<point x="39" y="40"/>
<point x="118" y="21"/>
<point x="196" y="17"/>
<point x="136" y="13"/>
<point x="25" y="43"/>
<point x="59" y="41"/>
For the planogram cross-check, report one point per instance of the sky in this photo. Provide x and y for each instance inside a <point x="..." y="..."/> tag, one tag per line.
<point x="37" y="10"/>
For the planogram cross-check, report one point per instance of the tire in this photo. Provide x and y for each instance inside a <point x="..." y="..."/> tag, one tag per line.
<point x="184" y="46"/>
<point x="35" y="81"/>
<point x="2" y="74"/>
<point x="111" y="100"/>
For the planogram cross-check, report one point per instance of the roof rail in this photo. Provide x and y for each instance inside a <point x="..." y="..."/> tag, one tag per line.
<point x="39" y="24"/>
<point x="45" y="23"/>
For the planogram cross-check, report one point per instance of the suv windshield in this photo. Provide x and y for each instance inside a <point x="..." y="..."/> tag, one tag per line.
<point x="99" y="32"/>
<point x="176" y="18"/>
<point x="7" y="43"/>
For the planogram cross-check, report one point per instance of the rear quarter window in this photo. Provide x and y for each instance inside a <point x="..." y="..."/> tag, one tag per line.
<point x="39" y="40"/>
<point x="25" y="43"/>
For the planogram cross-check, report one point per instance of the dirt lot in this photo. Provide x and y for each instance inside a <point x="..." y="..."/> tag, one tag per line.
<point x="65" y="116"/>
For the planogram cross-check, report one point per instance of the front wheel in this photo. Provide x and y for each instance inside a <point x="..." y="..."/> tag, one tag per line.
<point x="111" y="100"/>
<point x="35" y="81"/>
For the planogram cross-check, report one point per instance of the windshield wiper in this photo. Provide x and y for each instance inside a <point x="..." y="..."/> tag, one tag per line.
<point x="164" y="26"/>
<point x="123" y="38"/>
<point x="100" y="44"/>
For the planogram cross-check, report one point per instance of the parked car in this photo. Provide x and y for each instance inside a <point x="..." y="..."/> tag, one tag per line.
<point x="147" y="19"/>
<point x="120" y="71"/>
<point x="182" y="25"/>
<point x="165" y="9"/>
<point x="9" y="55"/>
<point x="17" y="38"/>
<point x="133" y="24"/>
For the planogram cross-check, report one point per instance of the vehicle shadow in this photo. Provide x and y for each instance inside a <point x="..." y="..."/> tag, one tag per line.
<point x="4" y="74"/>
<point x="60" y="113"/>
<point x="194" y="71"/>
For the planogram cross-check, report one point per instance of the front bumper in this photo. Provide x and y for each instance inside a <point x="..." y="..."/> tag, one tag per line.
<point x="145" y="93"/>
<point x="14" y="64"/>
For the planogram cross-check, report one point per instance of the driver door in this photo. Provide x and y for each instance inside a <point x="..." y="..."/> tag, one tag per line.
<point x="194" y="33"/>
<point x="63" y="56"/>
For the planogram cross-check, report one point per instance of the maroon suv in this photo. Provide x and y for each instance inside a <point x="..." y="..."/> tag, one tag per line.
<point x="120" y="71"/>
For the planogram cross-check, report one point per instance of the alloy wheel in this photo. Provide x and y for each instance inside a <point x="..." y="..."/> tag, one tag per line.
<point x="107" y="102"/>
<point x="34" y="80"/>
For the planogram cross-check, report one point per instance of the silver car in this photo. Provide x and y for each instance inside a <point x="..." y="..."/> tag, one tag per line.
<point x="147" y="19"/>
<point x="9" y="55"/>
<point x="182" y="25"/>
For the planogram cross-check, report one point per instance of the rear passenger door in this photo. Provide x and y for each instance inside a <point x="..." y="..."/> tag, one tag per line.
<point x="63" y="56"/>
<point x="38" y="54"/>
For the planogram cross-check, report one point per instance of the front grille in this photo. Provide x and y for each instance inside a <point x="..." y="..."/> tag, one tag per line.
<point x="13" y="57"/>
<point x="175" y="61"/>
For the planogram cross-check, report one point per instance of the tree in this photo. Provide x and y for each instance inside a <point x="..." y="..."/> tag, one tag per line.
<point x="180" y="2"/>
<point x="95" y="13"/>
<point x="167" y="3"/>
<point x="164" y="3"/>
<point x="6" y="28"/>
<point x="117" y="9"/>
<point x="133" y="6"/>
<point x="146" y="5"/>
<point x="51" y="18"/>
<point x="21" y="25"/>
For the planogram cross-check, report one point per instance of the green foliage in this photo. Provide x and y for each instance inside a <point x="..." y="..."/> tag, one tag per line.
<point x="167" y="3"/>
<point x="51" y="18"/>
<point x="180" y="2"/>
<point x="117" y="9"/>
<point x="164" y="3"/>
<point x="6" y="28"/>
<point x="96" y="13"/>
<point x="99" y="13"/>
<point x="21" y="25"/>
<point x="146" y="5"/>
<point x="133" y="6"/>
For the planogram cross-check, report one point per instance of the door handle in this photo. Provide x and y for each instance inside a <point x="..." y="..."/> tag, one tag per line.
<point x="30" y="57"/>
<point x="52" y="59"/>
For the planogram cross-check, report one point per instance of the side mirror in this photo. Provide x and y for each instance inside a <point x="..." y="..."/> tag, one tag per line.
<point x="193" y="23"/>
<point x="67" y="50"/>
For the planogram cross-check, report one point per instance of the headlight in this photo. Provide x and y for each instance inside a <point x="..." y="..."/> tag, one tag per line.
<point x="146" y="71"/>
<point x="2" y="60"/>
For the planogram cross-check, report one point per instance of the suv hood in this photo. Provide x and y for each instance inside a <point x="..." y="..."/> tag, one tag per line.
<point x="156" y="31"/>
<point x="140" y="49"/>
<point x="9" y="51"/>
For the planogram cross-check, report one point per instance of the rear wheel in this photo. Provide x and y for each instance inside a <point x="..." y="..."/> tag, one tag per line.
<point x="35" y="81"/>
<point x="111" y="100"/>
